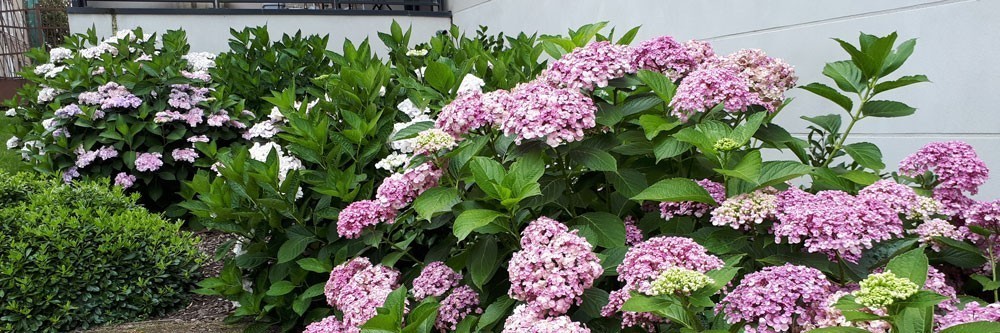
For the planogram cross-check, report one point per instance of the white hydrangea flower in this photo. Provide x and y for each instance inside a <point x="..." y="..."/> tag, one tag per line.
<point x="433" y="140"/>
<point x="12" y="112"/>
<point x="416" y="53"/>
<point x="47" y="94"/>
<point x="381" y="91"/>
<point x="200" y="61"/>
<point x="392" y="162"/>
<point x="43" y="68"/>
<point x="404" y="146"/>
<point x="264" y="129"/>
<point x="411" y="109"/>
<point x="471" y="83"/>
<point x="276" y="115"/>
<point x="49" y="123"/>
<point x="59" y="54"/>
<point x="13" y="142"/>
<point x="96" y="51"/>
<point x="286" y="163"/>
<point x="31" y="146"/>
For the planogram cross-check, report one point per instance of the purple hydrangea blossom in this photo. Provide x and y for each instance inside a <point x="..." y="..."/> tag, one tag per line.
<point x="218" y="119"/>
<point x="124" y="180"/>
<point x="84" y="157"/>
<point x="777" y="298"/>
<point x="111" y="95"/>
<point x="957" y="167"/>
<point x="361" y="214"/>
<point x="709" y="86"/>
<point x="68" y="111"/>
<point x="537" y="110"/>
<point x="460" y="303"/>
<point x="665" y="55"/>
<point x="901" y="198"/>
<point x="525" y="320"/>
<point x="471" y="110"/>
<point x="148" y="162"/>
<point x="550" y="273"/>
<point x="107" y="153"/>
<point x="185" y="154"/>
<point x="590" y="66"/>
<point x="689" y="208"/>
<point x="330" y="325"/>
<point x="936" y="228"/>
<point x="70" y="174"/>
<point x="186" y="96"/>
<point x="400" y="189"/>
<point x="357" y="288"/>
<point x="435" y="280"/>
<point x="972" y="312"/>
<point x="633" y="235"/>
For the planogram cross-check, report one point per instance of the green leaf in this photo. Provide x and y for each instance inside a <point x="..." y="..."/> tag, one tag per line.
<point x="652" y="125"/>
<point x="602" y="229"/>
<point x="898" y="57"/>
<point x="280" y="288"/>
<point x="421" y="319"/>
<point x="831" y="94"/>
<point x="470" y="220"/>
<point x="845" y="74"/>
<point x="494" y="312"/>
<point x="911" y="265"/>
<point x="900" y="82"/>
<point x="483" y="260"/>
<point x="594" y="159"/>
<point x="974" y="327"/>
<point x="675" y="190"/>
<point x="593" y="300"/>
<point x="922" y="298"/>
<point x="413" y="130"/>
<point x="886" y="109"/>
<point x="668" y="147"/>
<point x="292" y="248"/>
<point x="777" y="172"/>
<point x="748" y="169"/>
<point x="866" y="154"/>
<point x="861" y="177"/>
<point x="959" y="253"/>
<point x="435" y="200"/>
<point x="745" y="131"/>
<point x="314" y="265"/>
<point x="987" y="282"/>
<point x="439" y="76"/>
<point x="642" y="303"/>
<point x="659" y="83"/>
<point x="831" y="122"/>
<point x="838" y="329"/>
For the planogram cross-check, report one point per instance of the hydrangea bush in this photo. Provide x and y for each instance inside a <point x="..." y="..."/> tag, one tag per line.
<point x="140" y="109"/>
<point x="617" y="187"/>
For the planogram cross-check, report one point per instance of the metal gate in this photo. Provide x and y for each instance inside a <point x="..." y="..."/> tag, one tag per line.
<point x="25" y="24"/>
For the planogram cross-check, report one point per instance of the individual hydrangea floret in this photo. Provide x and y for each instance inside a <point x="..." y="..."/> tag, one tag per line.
<point x="972" y="312"/>
<point x="669" y="210"/>
<point x="936" y="228"/>
<point x="433" y="140"/>
<point x="709" y="86"/>
<point x="435" y="280"/>
<point x="357" y="288"/>
<point x="551" y="274"/>
<point x="591" y="66"/>
<point x="359" y="215"/>
<point x="460" y="303"/>
<point x="882" y="289"/>
<point x="665" y="55"/>
<point x="746" y="210"/>
<point x="525" y="320"/>
<point x="777" y="298"/>
<point x="678" y="280"/>
<point x="539" y="111"/>
<point x="958" y="168"/>
<point x="148" y="162"/>
<point x="330" y="325"/>
<point x="834" y="223"/>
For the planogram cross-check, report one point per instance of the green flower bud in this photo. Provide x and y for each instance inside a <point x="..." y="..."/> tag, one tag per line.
<point x="677" y="280"/>
<point x="882" y="289"/>
<point x="725" y="144"/>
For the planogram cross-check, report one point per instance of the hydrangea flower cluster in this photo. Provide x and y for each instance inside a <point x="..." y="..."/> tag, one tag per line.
<point x="669" y="210"/>
<point x="900" y="198"/>
<point x="937" y="283"/>
<point x="286" y="162"/>
<point x="665" y="55"/>
<point x="709" y="86"/>
<point x="972" y="312"/>
<point x="591" y="66"/>
<point x="110" y="95"/>
<point x="957" y="167"/>
<point x="357" y="288"/>
<point x="330" y="325"/>
<point x="746" y="210"/>
<point x="645" y="262"/>
<point x="433" y="140"/>
<point x="769" y="77"/>
<point x="633" y="235"/>
<point x="880" y="290"/>
<point x="777" y="298"/>
<point x="461" y="302"/>
<point x="678" y="280"/>
<point x="435" y="280"/>
<point x="936" y="228"/>
<point x="834" y="223"/>
<point x="553" y="268"/>
<point x="124" y="180"/>
<point x="472" y="110"/>
<point x="395" y="193"/>
<point x="148" y="162"/>
<point x="537" y="110"/>
<point x="526" y="320"/>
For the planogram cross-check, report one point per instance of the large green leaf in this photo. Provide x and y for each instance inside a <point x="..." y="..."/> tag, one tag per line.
<point x="831" y="122"/>
<point x="435" y="200"/>
<point x="470" y="220"/>
<point x="748" y="169"/>
<point x="974" y="327"/>
<point x="439" y="76"/>
<point x="777" y="172"/>
<point x="911" y="265"/>
<point x="866" y="154"/>
<point x="675" y="190"/>
<point x="900" y="82"/>
<point x="594" y="159"/>
<point x="831" y="94"/>
<point x="494" y="312"/>
<point x="886" y="109"/>
<point x="845" y="74"/>
<point x="482" y="260"/>
<point x="659" y="83"/>
<point x="602" y="229"/>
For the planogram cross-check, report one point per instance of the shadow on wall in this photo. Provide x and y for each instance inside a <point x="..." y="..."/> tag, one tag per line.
<point x="8" y="87"/>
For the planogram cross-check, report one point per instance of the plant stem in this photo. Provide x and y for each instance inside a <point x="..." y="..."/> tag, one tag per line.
<point x="855" y="117"/>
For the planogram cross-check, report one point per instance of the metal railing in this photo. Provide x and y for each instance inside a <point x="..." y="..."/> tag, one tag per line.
<point x="362" y="5"/>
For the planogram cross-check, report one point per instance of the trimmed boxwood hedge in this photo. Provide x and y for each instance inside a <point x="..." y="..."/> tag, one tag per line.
<point x="81" y="255"/>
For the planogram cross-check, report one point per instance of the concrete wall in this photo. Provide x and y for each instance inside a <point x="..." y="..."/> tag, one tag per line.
<point x="957" y="47"/>
<point x="210" y="32"/>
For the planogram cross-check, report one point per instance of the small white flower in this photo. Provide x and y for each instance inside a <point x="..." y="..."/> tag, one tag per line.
<point x="13" y="142"/>
<point x="416" y="53"/>
<point x="12" y="112"/>
<point x="392" y="162"/>
<point x="47" y="94"/>
<point x="49" y="123"/>
<point x="471" y="83"/>
<point x="411" y="109"/>
<point x="420" y="72"/>
<point x="200" y="61"/>
<point x="43" y="68"/>
<point x="381" y="91"/>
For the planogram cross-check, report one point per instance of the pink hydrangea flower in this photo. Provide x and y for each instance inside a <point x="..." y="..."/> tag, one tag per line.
<point x="124" y="180"/>
<point x="958" y="170"/>
<point x="185" y="154"/>
<point x="110" y="95"/>
<point x="746" y="210"/>
<point x="777" y="298"/>
<point x="665" y="55"/>
<point x="550" y="274"/>
<point x="148" y="162"/>
<point x="537" y="110"/>
<point x="633" y="235"/>
<point x="972" y="312"/>
<point x="937" y="283"/>
<point x="834" y="222"/>
<point x="107" y="152"/>
<point x="84" y="157"/>
<point x="769" y="77"/>
<point x="357" y="288"/>
<point x="525" y="320"/>
<point x="591" y="66"/>
<point x="70" y="174"/>
<point x="472" y="110"/>
<point x="435" y="280"/>
<point x="936" y="228"/>
<point x="901" y="198"/>
<point x="709" y="86"/>
<point x="359" y="215"/>
<point x="460" y="303"/>
<point x="330" y="325"/>
<point x="218" y="119"/>
<point x="68" y="111"/>
<point x="669" y="210"/>
<point x="699" y="51"/>
<point x="400" y="189"/>
<point x="186" y="96"/>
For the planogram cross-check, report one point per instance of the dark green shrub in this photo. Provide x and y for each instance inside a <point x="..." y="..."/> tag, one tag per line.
<point x="77" y="256"/>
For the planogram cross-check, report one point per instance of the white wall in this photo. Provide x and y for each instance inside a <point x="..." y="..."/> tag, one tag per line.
<point x="958" y="43"/>
<point x="210" y="33"/>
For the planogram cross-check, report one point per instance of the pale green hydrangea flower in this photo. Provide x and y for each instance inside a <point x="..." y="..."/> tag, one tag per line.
<point x="726" y="144"/>
<point x="677" y="280"/>
<point x="433" y="140"/>
<point x="882" y="289"/>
